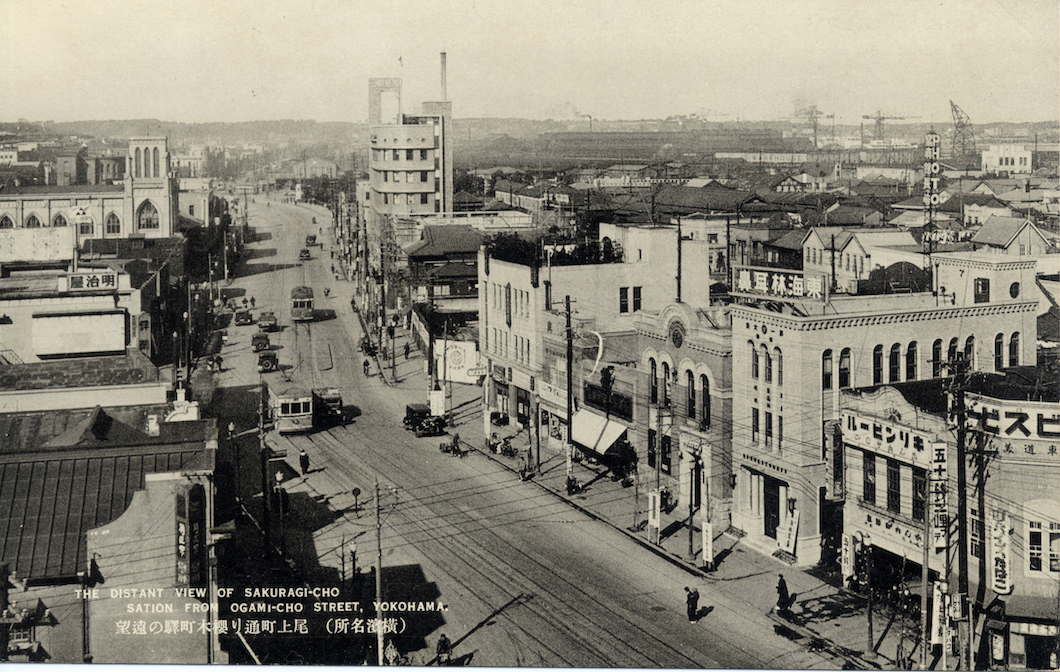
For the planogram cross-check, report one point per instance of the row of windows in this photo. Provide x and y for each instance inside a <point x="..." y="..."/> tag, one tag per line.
<point x="660" y="451"/>
<point x="396" y="154"/>
<point x="894" y="360"/>
<point x="850" y="262"/>
<point x="147" y="219"/>
<point x="894" y="486"/>
<point x="765" y="421"/>
<point x="150" y="164"/>
<point x="410" y="177"/>
<point x="407" y="199"/>
<point x="1043" y="542"/>
<point x="623" y="299"/>
<point x="772" y="362"/>
<point x="1010" y="161"/>
<point x="692" y="409"/>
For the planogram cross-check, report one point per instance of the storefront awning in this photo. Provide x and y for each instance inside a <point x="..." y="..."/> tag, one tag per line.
<point x="595" y="432"/>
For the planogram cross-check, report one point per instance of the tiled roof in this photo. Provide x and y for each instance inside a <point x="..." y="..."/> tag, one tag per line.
<point x="999" y="231"/>
<point x="792" y="240"/>
<point x="712" y="198"/>
<point x="51" y="495"/>
<point x="444" y="240"/>
<point x="131" y="368"/>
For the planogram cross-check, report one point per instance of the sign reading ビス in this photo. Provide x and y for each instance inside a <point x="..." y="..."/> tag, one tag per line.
<point x="1027" y="427"/>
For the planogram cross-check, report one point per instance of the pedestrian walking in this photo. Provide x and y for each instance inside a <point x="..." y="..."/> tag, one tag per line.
<point x="406" y="351"/>
<point x="303" y="461"/>
<point x="245" y="302"/>
<point x="252" y="302"/>
<point x="366" y="367"/>
<point x="219" y="361"/>
<point x="444" y="650"/>
<point x="784" y="599"/>
<point x="692" y="603"/>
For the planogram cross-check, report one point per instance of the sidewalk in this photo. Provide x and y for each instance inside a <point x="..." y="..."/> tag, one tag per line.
<point x="824" y="617"/>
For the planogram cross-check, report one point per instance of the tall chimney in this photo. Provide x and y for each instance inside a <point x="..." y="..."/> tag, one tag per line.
<point x="445" y="96"/>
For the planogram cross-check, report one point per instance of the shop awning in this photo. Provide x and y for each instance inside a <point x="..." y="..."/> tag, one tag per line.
<point x="595" y="432"/>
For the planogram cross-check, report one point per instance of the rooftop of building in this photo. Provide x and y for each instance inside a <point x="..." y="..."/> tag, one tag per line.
<point x="445" y="240"/>
<point x="15" y="190"/>
<point x="129" y="369"/>
<point x="63" y="473"/>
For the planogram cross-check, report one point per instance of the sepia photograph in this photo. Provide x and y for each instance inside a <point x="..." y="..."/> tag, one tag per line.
<point x="576" y="334"/>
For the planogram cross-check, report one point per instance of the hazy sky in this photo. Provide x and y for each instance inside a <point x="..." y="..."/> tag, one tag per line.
<point x="242" y="60"/>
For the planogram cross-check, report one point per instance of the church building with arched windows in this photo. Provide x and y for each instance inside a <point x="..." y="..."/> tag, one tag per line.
<point x="45" y="224"/>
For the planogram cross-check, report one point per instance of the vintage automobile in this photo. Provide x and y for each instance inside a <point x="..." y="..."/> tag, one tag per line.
<point x="259" y="342"/>
<point x="244" y="318"/>
<point x="415" y="413"/>
<point x="267" y="322"/>
<point x="432" y="425"/>
<point x="304" y="255"/>
<point x="310" y="240"/>
<point x="268" y="361"/>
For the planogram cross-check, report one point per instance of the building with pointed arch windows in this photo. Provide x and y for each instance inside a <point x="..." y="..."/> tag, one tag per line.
<point x="45" y="224"/>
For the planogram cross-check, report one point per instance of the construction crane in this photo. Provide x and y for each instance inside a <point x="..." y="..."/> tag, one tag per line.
<point x="879" y="117"/>
<point x="812" y="114"/>
<point x="963" y="137"/>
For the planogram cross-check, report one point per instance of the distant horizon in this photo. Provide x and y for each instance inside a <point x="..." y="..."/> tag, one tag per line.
<point x="564" y="60"/>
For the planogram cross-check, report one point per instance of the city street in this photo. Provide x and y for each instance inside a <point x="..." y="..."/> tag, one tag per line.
<point x="527" y="579"/>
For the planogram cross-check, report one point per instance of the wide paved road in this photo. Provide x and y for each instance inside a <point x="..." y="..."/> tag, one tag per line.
<point x="529" y="580"/>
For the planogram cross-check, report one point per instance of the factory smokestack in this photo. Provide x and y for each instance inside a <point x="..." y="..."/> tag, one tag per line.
<point x="445" y="95"/>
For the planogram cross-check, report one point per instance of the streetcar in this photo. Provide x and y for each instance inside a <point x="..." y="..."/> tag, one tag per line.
<point x="302" y="304"/>
<point x="292" y="410"/>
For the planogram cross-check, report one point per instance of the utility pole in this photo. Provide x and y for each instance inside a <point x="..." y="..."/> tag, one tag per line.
<point x="924" y="575"/>
<point x="378" y="576"/>
<point x="570" y="391"/>
<point x="831" y="248"/>
<point x="263" y="451"/>
<point x="963" y="630"/>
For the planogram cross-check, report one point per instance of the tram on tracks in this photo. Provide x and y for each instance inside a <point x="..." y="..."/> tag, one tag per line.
<point x="302" y="304"/>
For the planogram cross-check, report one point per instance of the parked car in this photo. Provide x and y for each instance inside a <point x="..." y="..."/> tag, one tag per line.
<point x="304" y="255"/>
<point x="432" y="425"/>
<point x="244" y="318"/>
<point x="414" y="413"/>
<point x="260" y="341"/>
<point x="268" y="361"/>
<point x="267" y="322"/>
<point x="310" y="241"/>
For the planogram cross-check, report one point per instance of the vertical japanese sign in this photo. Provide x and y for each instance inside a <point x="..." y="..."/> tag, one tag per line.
<point x="932" y="174"/>
<point x="1001" y="552"/>
<point x="939" y="613"/>
<point x="653" y="516"/>
<point x="939" y="513"/>
<point x="791" y="532"/>
<point x="846" y="555"/>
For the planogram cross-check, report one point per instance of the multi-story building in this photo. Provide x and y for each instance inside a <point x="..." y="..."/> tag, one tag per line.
<point x="796" y="346"/>
<point x="1011" y="159"/>
<point x="47" y="223"/>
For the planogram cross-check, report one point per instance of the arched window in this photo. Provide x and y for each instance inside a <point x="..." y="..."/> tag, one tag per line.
<point x="754" y="360"/>
<point x="653" y="381"/>
<point x="951" y="352"/>
<point x="32" y="222"/>
<point x="704" y="403"/>
<point x="1014" y="349"/>
<point x="910" y="361"/>
<point x="894" y="364"/>
<point x="690" y="380"/>
<point x="59" y="221"/>
<point x="778" y="365"/>
<point x="877" y="365"/>
<point x="769" y="364"/>
<point x="844" y="368"/>
<point x="137" y="162"/>
<point x="826" y="370"/>
<point x="113" y="225"/>
<point x="936" y="358"/>
<point x="6" y="223"/>
<point x="665" y="384"/>
<point x="154" y="164"/>
<point x="999" y="352"/>
<point x="148" y="217"/>
<point x="86" y="226"/>
<point x="969" y="352"/>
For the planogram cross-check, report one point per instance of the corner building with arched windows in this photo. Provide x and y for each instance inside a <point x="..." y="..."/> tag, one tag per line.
<point x="796" y="346"/>
<point x="47" y="223"/>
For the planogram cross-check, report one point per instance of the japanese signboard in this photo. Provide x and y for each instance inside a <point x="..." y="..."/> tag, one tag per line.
<point x="91" y="282"/>
<point x="1026" y="428"/>
<point x="937" y="478"/>
<point x="1001" y="553"/>
<point x="779" y="284"/>
<point x="791" y="533"/>
<point x="886" y="437"/>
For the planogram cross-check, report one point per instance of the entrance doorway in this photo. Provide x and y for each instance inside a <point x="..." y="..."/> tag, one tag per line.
<point x="771" y="506"/>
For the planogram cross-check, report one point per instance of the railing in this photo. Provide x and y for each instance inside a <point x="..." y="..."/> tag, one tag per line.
<point x="8" y="357"/>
